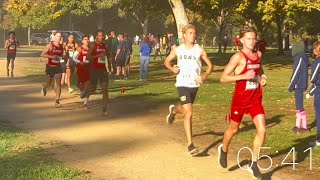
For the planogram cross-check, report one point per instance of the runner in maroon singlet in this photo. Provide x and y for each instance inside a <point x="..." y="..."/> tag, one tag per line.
<point x="98" y="71"/>
<point x="54" y="52"/>
<point x="11" y="46"/>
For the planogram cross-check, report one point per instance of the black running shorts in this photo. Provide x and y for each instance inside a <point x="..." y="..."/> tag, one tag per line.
<point x="187" y="94"/>
<point x="52" y="70"/>
<point x="11" y="56"/>
<point x="98" y="74"/>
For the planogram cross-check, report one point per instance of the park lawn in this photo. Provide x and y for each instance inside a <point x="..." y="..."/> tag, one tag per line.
<point x="213" y="102"/>
<point x="22" y="157"/>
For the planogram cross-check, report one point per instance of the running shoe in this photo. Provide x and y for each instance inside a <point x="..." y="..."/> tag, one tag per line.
<point x="304" y="131"/>
<point x="43" y="91"/>
<point x="70" y="90"/>
<point x="83" y="93"/>
<point x="86" y="106"/>
<point x="171" y="115"/>
<point x="254" y="170"/>
<point x="222" y="157"/>
<point x="295" y="130"/>
<point x="57" y="105"/>
<point x="314" y="144"/>
<point x="192" y="150"/>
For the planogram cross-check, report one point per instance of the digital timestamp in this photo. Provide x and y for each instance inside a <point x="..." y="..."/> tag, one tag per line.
<point x="284" y="161"/>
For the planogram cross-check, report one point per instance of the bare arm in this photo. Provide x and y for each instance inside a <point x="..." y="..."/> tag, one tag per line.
<point x="44" y="53"/>
<point x="206" y="59"/>
<point x="228" y="76"/>
<point x="118" y="51"/>
<point x="167" y="61"/>
<point x="7" y="44"/>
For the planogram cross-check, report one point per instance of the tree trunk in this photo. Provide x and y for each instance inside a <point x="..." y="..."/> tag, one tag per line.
<point x="220" y="41"/>
<point x="100" y="19"/>
<point x="286" y="38"/>
<point x="29" y="35"/>
<point x="180" y="16"/>
<point x="145" y="25"/>
<point x="279" y="32"/>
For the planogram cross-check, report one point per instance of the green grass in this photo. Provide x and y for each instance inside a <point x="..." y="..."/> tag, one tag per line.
<point x="213" y="102"/>
<point x="23" y="157"/>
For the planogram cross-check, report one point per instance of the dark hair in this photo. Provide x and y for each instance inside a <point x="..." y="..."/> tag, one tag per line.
<point x="145" y="40"/>
<point x="86" y="35"/>
<point x="71" y="34"/>
<point x="247" y="29"/>
<point x="11" y="32"/>
<point x="99" y="30"/>
<point x="126" y="35"/>
<point x="121" y="34"/>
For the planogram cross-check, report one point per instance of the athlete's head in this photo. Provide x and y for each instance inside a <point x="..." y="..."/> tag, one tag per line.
<point x="85" y="40"/>
<point x="100" y="36"/>
<point x="12" y="34"/>
<point x="121" y="37"/>
<point x="57" y="37"/>
<point x="112" y="34"/>
<point x="248" y="37"/>
<point x="316" y="48"/>
<point x="71" y="38"/>
<point x="189" y="33"/>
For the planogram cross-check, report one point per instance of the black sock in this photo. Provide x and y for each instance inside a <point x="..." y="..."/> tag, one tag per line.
<point x="57" y="101"/>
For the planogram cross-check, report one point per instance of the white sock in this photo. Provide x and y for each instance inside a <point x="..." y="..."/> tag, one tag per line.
<point x="85" y="100"/>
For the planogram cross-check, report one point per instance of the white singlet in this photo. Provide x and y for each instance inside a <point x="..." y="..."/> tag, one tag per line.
<point x="189" y="64"/>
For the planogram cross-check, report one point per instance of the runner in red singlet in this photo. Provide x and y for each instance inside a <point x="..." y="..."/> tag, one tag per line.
<point x="11" y="46"/>
<point x="245" y="69"/>
<point x="54" y="52"/>
<point x="82" y="64"/>
<point x="97" y="56"/>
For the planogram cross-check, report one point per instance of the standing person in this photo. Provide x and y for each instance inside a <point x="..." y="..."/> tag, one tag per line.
<point x="245" y="69"/>
<point x="83" y="69"/>
<point x="188" y="79"/>
<point x="214" y="41"/>
<point x="121" y="56"/>
<point x="235" y="43"/>
<point x="315" y="90"/>
<point x="145" y="51"/>
<point x="54" y="52"/>
<point x="168" y="47"/>
<point x="63" y="63"/>
<point x="129" y="45"/>
<point x="261" y="44"/>
<point x="11" y="45"/>
<point x="97" y="57"/>
<point x="112" y="44"/>
<point x="70" y="46"/>
<point x="157" y="48"/>
<point x="225" y="43"/>
<point x="299" y="84"/>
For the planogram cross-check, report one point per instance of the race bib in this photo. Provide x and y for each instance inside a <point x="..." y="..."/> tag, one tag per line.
<point x="71" y="53"/>
<point x="253" y="83"/>
<point x="101" y="60"/>
<point x="57" y="60"/>
<point x="12" y="46"/>
<point x="84" y="59"/>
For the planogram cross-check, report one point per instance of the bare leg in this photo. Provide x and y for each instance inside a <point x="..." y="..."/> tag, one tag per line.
<point x="12" y="66"/>
<point x="57" y="86"/>
<point x="105" y="94"/>
<point x="187" y="121"/>
<point x="259" y="122"/>
<point x="47" y="83"/>
<point x="228" y="135"/>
